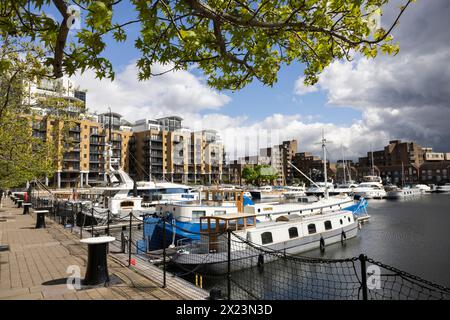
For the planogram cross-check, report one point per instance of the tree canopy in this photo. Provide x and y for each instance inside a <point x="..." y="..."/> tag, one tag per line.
<point x="258" y="174"/>
<point x="231" y="41"/>
<point x="24" y="155"/>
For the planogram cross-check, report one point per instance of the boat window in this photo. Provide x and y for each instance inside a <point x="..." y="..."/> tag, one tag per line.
<point x="173" y="190"/>
<point x="348" y="219"/>
<point x="293" y="232"/>
<point x="340" y="220"/>
<point x="198" y="213"/>
<point x="328" y="225"/>
<point x="266" y="237"/>
<point x="217" y="212"/>
<point x="311" y="228"/>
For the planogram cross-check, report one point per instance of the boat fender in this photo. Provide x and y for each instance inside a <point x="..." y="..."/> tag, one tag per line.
<point x="359" y="225"/>
<point x="343" y="237"/>
<point x="261" y="262"/>
<point x="322" y="244"/>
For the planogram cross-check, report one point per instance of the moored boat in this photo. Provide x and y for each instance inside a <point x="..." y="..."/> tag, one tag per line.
<point x="443" y="188"/>
<point x="403" y="193"/>
<point x="288" y="234"/>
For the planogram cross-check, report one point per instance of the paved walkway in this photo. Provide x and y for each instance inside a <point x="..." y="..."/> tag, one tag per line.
<point x="36" y="264"/>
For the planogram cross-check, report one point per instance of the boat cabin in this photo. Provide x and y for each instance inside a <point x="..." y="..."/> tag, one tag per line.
<point x="213" y="228"/>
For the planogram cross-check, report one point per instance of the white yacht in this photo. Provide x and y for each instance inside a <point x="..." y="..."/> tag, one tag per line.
<point x="370" y="190"/>
<point x="292" y="192"/>
<point x="319" y="189"/>
<point x="306" y="205"/>
<point x="266" y="192"/>
<point x="403" y="193"/>
<point x="347" y="188"/>
<point x="423" y="188"/>
<point x="290" y="234"/>
<point x="443" y="188"/>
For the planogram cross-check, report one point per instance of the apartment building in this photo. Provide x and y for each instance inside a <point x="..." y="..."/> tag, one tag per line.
<point x="80" y="138"/>
<point x="406" y="163"/>
<point x="161" y="149"/>
<point x="312" y="166"/>
<point x="277" y="156"/>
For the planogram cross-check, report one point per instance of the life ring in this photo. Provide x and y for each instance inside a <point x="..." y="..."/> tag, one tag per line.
<point x="343" y="237"/>
<point x="322" y="244"/>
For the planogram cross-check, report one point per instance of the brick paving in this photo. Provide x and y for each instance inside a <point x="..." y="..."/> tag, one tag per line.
<point x="35" y="267"/>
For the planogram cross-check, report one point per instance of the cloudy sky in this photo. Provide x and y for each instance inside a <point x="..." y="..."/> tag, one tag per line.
<point x="358" y="105"/>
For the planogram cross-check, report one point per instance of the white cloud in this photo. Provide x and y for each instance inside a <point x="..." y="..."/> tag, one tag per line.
<point x="172" y="93"/>
<point x="406" y="96"/>
<point x="300" y="88"/>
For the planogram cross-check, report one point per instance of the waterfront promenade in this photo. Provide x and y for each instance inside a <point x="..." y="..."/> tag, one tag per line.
<point x="35" y="266"/>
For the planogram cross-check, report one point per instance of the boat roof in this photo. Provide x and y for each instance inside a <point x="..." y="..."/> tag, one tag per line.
<point x="231" y="216"/>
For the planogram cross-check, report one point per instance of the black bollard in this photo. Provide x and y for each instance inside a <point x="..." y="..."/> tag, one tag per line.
<point x="26" y="208"/>
<point x="40" y="218"/>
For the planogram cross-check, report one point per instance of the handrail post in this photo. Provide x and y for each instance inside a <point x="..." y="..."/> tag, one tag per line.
<point x="107" y="223"/>
<point x="362" y="259"/>
<point x="92" y="222"/>
<point x="229" y="264"/>
<point x="143" y="231"/>
<point x="129" y="240"/>
<point x="164" y="252"/>
<point x="82" y="224"/>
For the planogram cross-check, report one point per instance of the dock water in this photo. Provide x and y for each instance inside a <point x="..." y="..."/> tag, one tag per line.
<point x="36" y="264"/>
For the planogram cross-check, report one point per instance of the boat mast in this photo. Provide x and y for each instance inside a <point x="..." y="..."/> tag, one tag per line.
<point x="343" y="163"/>
<point x="371" y="152"/>
<point x="324" y="141"/>
<point x="110" y="140"/>
<point x="403" y="176"/>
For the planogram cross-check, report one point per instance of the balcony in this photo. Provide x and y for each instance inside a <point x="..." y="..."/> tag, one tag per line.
<point x="39" y="127"/>
<point x="71" y="169"/>
<point x="75" y="129"/>
<point x="97" y="134"/>
<point x="96" y="142"/>
<point x="156" y="139"/>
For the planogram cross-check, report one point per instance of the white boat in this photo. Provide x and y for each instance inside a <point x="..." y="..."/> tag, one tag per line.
<point x="423" y="188"/>
<point x="403" y="193"/>
<point x="266" y="192"/>
<point x="372" y="178"/>
<point x="289" y="234"/>
<point x="306" y="205"/>
<point x="292" y="192"/>
<point x="370" y="190"/>
<point x="191" y="212"/>
<point x="443" y="188"/>
<point x="319" y="189"/>
<point x="347" y="188"/>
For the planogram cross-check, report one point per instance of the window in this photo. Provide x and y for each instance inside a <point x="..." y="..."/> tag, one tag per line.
<point x="328" y="225"/>
<point x="293" y="232"/>
<point x="340" y="220"/>
<point x="266" y="237"/>
<point x="311" y="228"/>
<point x="348" y="219"/>
<point x="197" y="214"/>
